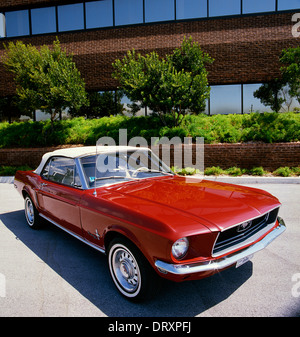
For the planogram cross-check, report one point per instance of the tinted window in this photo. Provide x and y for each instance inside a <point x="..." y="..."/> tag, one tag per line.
<point x="128" y="12"/>
<point x="288" y="4"/>
<point x="99" y="14"/>
<point x="158" y="10"/>
<point x="224" y="7"/>
<point x="225" y="99"/>
<point x="254" y="6"/>
<point x="43" y="20"/>
<point x="70" y="17"/>
<point x="189" y="9"/>
<point x="17" y="23"/>
<point x="62" y="170"/>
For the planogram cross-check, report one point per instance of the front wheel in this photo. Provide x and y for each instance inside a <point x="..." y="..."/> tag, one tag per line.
<point x="130" y="271"/>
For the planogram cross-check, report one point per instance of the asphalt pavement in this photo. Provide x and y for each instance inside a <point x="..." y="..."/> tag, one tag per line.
<point x="49" y="273"/>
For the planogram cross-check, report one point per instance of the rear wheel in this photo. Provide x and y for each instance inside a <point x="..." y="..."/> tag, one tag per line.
<point x="31" y="214"/>
<point x="130" y="271"/>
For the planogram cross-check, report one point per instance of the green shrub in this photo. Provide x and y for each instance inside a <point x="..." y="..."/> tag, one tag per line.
<point x="271" y="127"/>
<point x="213" y="171"/>
<point x="234" y="171"/>
<point x="296" y="170"/>
<point x="11" y="170"/>
<point x="266" y="127"/>
<point x="185" y="171"/>
<point x="257" y="171"/>
<point x="283" y="172"/>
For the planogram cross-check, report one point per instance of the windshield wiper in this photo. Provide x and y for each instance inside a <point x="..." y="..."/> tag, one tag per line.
<point x="112" y="177"/>
<point x="147" y="170"/>
<point x="162" y="172"/>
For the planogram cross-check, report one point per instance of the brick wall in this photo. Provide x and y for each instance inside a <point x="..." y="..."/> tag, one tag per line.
<point x="16" y="4"/>
<point x="245" y="49"/>
<point x="270" y="156"/>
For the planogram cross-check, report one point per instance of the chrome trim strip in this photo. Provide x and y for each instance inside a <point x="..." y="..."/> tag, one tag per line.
<point x="217" y="264"/>
<point x="81" y="174"/>
<point x="101" y="250"/>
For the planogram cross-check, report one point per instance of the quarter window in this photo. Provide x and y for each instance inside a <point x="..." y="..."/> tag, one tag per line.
<point x="63" y="171"/>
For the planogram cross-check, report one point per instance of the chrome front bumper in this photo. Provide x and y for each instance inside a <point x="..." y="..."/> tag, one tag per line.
<point x="226" y="261"/>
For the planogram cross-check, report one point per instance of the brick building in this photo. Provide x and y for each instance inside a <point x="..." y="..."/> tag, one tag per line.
<point x="245" y="37"/>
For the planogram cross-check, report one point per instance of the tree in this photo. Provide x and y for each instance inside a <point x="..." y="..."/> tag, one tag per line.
<point x="282" y="90"/>
<point x="9" y="108"/>
<point x="270" y="94"/>
<point x="170" y="86"/>
<point x="290" y="58"/>
<point x="46" y="79"/>
<point x="101" y="104"/>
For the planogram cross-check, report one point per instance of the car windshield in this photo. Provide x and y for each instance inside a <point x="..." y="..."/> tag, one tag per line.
<point x="114" y="167"/>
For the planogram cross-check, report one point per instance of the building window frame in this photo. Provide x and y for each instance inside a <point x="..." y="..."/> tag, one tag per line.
<point x="174" y="16"/>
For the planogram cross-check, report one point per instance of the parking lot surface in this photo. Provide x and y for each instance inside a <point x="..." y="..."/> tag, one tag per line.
<point x="49" y="273"/>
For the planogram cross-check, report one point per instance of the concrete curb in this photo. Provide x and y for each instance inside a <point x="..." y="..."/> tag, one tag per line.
<point x="7" y="180"/>
<point x="224" y="179"/>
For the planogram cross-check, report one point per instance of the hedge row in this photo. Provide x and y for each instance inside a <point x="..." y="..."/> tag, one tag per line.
<point x="266" y="127"/>
<point x="209" y="171"/>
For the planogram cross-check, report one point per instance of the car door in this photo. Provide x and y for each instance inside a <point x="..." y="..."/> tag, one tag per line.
<point x="60" y="193"/>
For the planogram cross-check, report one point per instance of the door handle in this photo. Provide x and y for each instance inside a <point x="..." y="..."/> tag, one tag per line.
<point x="43" y="184"/>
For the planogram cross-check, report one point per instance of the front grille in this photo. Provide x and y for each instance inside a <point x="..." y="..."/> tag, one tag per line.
<point x="235" y="237"/>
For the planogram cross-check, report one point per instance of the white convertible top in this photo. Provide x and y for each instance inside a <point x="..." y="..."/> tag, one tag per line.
<point x="75" y="152"/>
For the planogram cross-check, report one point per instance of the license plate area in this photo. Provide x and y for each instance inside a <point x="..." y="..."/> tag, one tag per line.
<point x="243" y="260"/>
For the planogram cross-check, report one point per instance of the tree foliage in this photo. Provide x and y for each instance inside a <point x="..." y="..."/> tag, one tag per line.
<point x="290" y="58"/>
<point x="46" y="79"/>
<point x="270" y="95"/>
<point x="281" y="90"/>
<point x="101" y="104"/>
<point x="170" y="86"/>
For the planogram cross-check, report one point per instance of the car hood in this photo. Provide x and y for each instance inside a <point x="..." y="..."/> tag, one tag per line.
<point x="215" y="205"/>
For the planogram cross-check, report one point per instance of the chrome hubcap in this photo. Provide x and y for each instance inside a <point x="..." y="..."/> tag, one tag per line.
<point x="29" y="211"/>
<point x="125" y="269"/>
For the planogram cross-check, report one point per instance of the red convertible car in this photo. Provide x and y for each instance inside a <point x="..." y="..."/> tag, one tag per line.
<point x="125" y="202"/>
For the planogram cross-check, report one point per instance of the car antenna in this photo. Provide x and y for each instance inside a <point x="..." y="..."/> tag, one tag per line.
<point x="95" y="181"/>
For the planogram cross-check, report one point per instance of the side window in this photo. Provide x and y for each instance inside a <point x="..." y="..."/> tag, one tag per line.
<point x="63" y="171"/>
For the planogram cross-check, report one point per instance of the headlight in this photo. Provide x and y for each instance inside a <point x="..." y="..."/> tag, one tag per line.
<point x="180" y="248"/>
